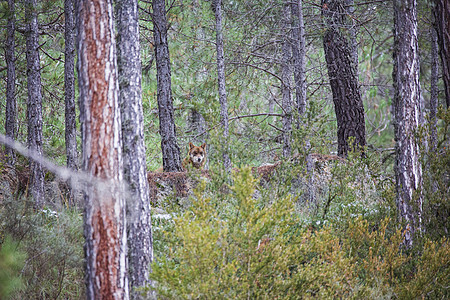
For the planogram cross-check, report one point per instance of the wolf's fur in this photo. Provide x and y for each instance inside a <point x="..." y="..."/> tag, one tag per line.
<point x="196" y="157"/>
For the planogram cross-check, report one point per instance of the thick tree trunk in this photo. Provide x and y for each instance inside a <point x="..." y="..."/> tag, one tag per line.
<point x="406" y="110"/>
<point x="105" y="216"/>
<point x="69" y="90"/>
<point x="217" y="5"/>
<point x="140" y="243"/>
<point x="286" y="74"/>
<point x="343" y="79"/>
<point x="442" y="25"/>
<point x="298" y="55"/>
<point x="34" y="104"/>
<point x="10" y="119"/>
<point x="169" y="146"/>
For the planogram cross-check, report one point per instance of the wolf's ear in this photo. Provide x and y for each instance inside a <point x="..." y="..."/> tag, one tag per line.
<point x="191" y="146"/>
<point x="203" y="146"/>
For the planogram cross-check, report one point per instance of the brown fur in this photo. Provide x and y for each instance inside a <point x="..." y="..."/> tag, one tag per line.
<point x="196" y="157"/>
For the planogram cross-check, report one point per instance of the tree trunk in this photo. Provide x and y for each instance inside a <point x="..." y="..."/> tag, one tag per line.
<point x="434" y="90"/>
<point x="169" y="146"/>
<point x="406" y="110"/>
<point x="286" y="75"/>
<point x="104" y="218"/>
<point x="342" y="73"/>
<point x="217" y="6"/>
<point x="34" y="104"/>
<point x="140" y="243"/>
<point x="69" y="90"/>
<point x="298" y="55"/>
<point x="442" y="25"/>
<point x="353" y="30"/>
<point x="10" y="119"/>
<point x="197" y="125"/>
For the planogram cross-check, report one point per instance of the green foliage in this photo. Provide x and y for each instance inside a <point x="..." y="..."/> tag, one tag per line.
<point x="222" y="249"/>
<point x="431" y="279"/>
<point x="52" y="242"/>
<point x="236" y="238"/>
<point x="436" y="166"/>
<point x="245" y="247"/>
<point x="359" y="188"/>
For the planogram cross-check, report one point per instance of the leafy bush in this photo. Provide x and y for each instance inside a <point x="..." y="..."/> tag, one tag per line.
<point x="436" y="183"/>
<point x="11" y="262"/>
<point x="223" y="249"/>
<point x="245" y="247"/>
<point x="53" y="244"/>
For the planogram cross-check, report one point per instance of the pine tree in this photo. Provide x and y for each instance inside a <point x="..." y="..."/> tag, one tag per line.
<point x="406" y="110"/>
<point x="69" y="90"/>
<point x="10" y="119"/>
<point x="140" y="243"/>
<point x="342" y="72"/>
<point x="34" y="103"/>
<point x="169" y="146"/>
<point x="217" y="7"/>
<point x="104" y="205"/>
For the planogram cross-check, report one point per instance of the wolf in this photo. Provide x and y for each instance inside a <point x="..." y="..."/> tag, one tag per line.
<point x="196" y="157"/>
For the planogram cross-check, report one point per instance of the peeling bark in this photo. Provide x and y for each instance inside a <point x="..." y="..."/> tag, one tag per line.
<point x="104" y="218"/>
<point x="406" y="110"/>
<point x="140" y="242"/>
<point x="34" y="103"/>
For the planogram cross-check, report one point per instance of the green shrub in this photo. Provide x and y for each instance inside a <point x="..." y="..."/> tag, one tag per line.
<point x="243" y="250"/>
<point x="11" y="262"/>
<point x="247" y="247"/>
<point x="53" y="244"/>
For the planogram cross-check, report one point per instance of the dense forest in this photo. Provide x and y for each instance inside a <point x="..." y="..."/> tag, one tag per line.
<point x="324" y="125"/>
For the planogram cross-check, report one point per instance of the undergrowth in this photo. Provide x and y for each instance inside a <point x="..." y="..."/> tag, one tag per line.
<point x="248" y="247"/>
<point x="49" y="247"/>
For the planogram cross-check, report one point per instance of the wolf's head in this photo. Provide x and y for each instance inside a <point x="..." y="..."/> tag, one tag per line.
<point x="197" y="154"/>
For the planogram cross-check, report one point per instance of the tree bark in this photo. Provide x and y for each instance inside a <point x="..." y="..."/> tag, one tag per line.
<point x="434" y="90"/>
<point x="342" y="73"/>
<point x="406" y="110"/>
<point x="10" y="119"/>
<point x="104" y="217"/>
<point x="217" y="6"/>
<point x="69" y="90"/>
<point x="442" y="25"/>
<point x="353" y="30"/>
<point x="286" y="74"/>
<point x="140" y="243"/>
<point x="197" y="125"/>
<point x="298" y="55"/>
<point x="169" y="146"/>
<point x="34" y="103"/>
